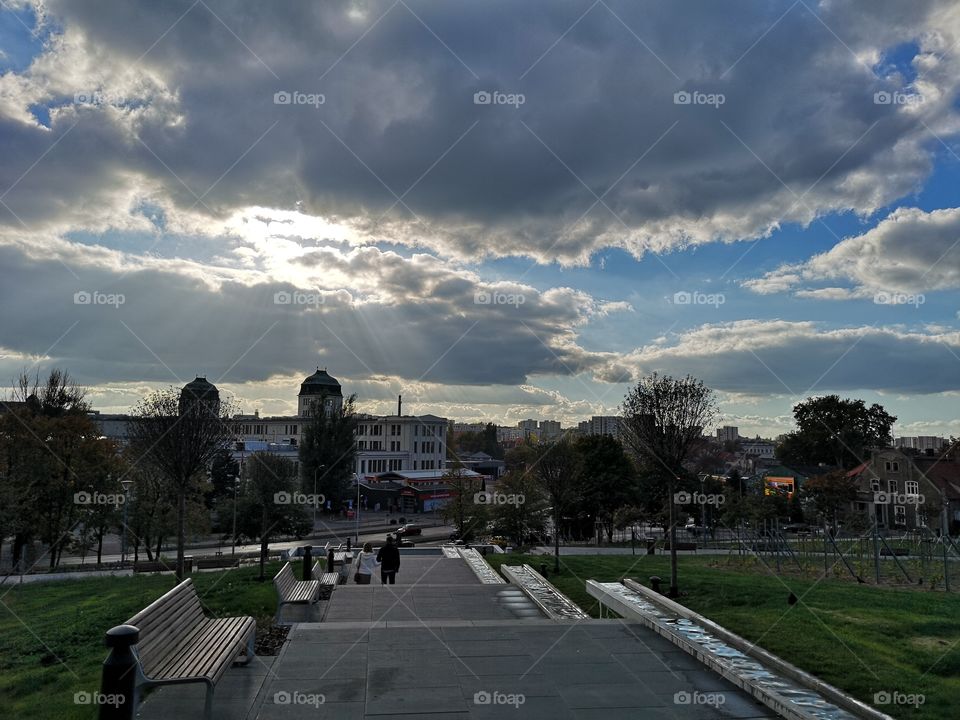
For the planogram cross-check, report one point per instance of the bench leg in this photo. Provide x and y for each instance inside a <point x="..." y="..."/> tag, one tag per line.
<point x="208" y="703"/>
<point x="251" y="642"/>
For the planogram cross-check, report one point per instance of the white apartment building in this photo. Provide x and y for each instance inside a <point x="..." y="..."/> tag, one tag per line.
<point x="385" y="443"/>
<point x="920" y="442"/>
<point x="600" y="425"/>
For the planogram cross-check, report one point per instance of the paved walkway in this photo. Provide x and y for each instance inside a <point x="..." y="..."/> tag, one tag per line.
<point x="441" y="645"/>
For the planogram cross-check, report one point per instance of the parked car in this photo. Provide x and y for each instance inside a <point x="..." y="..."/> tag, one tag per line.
<point x="409" y="529"/>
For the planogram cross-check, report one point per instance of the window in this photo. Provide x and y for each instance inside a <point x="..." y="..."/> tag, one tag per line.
<point x="394" y="430"/>
<point x="414" y="445"/>
<point x="394" y="446"/>
<point x="893" y="486"/>
<point x="912" y="487"/>
<point x="416" y="429"/>
<point x="892" y="466"/>
<point x="899" y="514"/>
<point x="363" y="466"/>
<point x="361" y="444"/>
<point x="376" y="430"/>
<point x="414" y="464"/>
<point x="875" y="484"/>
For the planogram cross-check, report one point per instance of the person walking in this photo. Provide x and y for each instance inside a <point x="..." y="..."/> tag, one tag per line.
<point x="389" y="559"/>
<point x="366" y="564"/>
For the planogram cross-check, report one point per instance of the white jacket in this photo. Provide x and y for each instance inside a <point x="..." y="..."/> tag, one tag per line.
<point x="366" y="563"/>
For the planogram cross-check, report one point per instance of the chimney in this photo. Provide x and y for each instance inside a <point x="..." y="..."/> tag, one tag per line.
<point x="399" y="405"/>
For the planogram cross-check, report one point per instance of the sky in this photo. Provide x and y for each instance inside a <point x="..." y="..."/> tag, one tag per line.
<point x="500" y="210"/>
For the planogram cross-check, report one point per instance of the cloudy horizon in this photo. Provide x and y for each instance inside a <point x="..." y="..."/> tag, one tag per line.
<point x="499" y="210"/>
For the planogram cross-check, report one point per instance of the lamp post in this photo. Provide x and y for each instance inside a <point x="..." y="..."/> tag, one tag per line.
<point x="233" y="537"/>
<point x="125" y="484"/>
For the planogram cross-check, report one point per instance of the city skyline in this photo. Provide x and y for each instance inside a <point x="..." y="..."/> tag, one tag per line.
<point x="498" y="228"/>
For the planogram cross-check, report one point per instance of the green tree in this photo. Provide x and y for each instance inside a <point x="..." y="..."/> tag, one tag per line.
<point x="836" y="431"/>
<point x="830" y="494"/>
<point x="608" y="479"/>
<point x="328" y="450"/>
<point x="663" y="420"/>
<point x="465" y="509"/>
<point x="270" y="503"/>
<point x="519" y="507"/>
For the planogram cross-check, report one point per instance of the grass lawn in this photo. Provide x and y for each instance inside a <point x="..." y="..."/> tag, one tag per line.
<point x="51" y="634"/>
<point x="859" y="638"/>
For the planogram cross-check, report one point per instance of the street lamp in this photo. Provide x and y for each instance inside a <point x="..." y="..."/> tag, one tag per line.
<point x="125" y="484"/>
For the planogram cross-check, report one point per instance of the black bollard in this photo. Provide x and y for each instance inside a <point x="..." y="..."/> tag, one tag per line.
<point x="348" y="544"/>
<point x="329" y="560"/>
<point x="307" y="562"/>
<point x="118" y="684"/>
<point x="543" y="569"/>
<point x="655" y="583"/>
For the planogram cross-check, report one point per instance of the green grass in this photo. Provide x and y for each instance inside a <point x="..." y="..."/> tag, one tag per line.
<point x="51" y="634"/>
<point x="859" y="638"/>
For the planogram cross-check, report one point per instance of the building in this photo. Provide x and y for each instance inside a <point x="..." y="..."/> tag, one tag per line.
<point x="923" y="443"/>
<point x="758" y="448"/>
<point x="384" y="443"/>
<point x="728" y="433"/>
<point x="892" y="490"/>
<point x="412" y="491"/>
<point x="475" y="427"/>
<point x="549" y="429"/>
<point x="600" y="425"/>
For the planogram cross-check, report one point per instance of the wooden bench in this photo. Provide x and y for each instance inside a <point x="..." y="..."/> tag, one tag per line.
<point x="220" y="562"/>
<point x="179" y="644"/>
<point x="326" y="579"/>
<point x="162" y="566"/>
<point x="290" y="590"/>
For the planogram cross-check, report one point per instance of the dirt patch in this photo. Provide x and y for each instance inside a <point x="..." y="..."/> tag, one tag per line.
<point x="270" y="639"/>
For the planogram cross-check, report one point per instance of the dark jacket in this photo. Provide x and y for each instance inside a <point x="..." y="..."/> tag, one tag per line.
<point x="389" y="558"/>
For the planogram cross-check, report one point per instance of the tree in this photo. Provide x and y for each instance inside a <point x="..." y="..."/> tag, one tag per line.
<point x="608" y="479"/>
<point x="180" y="435"/>
<point x="830" y="494"/>
<point x="518" y="508"/>
<point x="465" y="509"/>
<point x="328" y="450"/>
<point x="835" y="431"/>
<point x="557" y="470"/>
<point x="270" y="503"/>
<point x="663" y="419"/>
<point x="49" y="453"/>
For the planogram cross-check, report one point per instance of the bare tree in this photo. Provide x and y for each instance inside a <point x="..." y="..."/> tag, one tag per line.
<point x="663" y="419"/>
<point x="557" y="470"/>
<point x="180" y="436"/>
